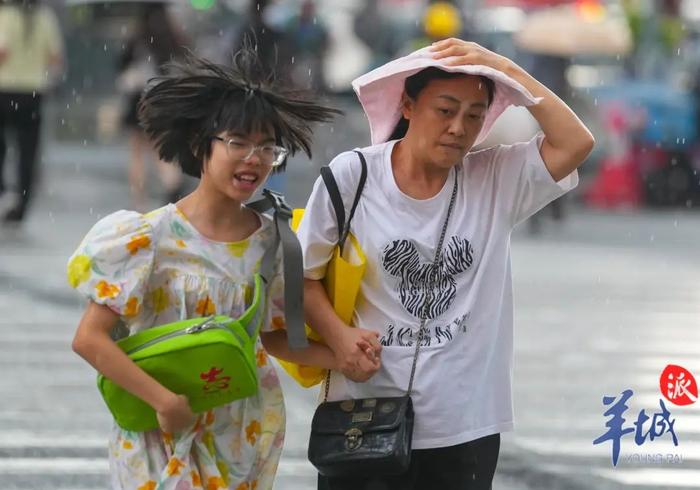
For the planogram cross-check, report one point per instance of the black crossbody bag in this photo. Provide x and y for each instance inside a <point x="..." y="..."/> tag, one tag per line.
<point x="370" y="436"/>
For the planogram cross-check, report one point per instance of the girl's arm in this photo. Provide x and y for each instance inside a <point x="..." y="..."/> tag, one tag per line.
<point x="316" y="354"/>
<point x="93" y="343"/>
<point x="357" y="351"/>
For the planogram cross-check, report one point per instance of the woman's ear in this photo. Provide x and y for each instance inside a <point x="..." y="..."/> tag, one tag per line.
<point x="406" y="106"/>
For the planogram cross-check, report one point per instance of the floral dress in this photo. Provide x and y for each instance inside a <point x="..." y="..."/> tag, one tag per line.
<point x="157" y="268"/>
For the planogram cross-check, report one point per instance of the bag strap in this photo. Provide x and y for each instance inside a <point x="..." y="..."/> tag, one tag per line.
<point x="337" y="200"/>
<point x="293" y="265"/>
<point x="432" y="276"/>
<point x="334" y="194"/>
<point x="343" y="228"/>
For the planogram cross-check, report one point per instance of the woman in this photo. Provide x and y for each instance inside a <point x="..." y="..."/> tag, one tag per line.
<point x="31" y="54"/>
<point x="426" y="111"/>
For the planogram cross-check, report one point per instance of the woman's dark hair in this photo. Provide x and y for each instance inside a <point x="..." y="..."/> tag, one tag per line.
<point x="197" y="99"/>
<point x="415" y="84"/>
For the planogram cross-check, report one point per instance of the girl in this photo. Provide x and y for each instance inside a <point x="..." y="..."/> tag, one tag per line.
<point x="426" y="112"/>
<point x="230" y="127"/>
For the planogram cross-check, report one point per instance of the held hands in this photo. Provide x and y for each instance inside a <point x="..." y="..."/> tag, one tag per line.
<point x="468" y="53"/>
<point x="175" y="415"/>
<point x="357" y="353"/>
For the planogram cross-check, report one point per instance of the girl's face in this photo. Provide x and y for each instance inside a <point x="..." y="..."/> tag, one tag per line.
<point x="446" y="118"/>
<point x="234" y="168"/>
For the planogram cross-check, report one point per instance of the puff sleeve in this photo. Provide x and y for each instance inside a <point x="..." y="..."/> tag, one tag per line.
<point x="113" y="263"/>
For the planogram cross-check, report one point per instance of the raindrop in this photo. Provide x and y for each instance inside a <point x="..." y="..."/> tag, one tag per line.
<point x="651" y="238"/>
<point x="90" y="211"/>
<point x="104" y="48"/>
<point x="292" y="59"/>
<point x="675" y="223"/>
<point x="689" y="203"/>
<point x="678" y="53"/>
<point x="595" y="101"/>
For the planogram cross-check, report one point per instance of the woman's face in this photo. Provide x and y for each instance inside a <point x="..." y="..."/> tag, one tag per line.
<point x="230" y="171"/>
<point x="446" y="118"/>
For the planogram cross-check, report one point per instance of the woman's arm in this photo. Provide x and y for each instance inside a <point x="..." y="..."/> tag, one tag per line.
<point x="93" y="343"/>
<point x="567" y="141"/>
<point x="356" y="350"/>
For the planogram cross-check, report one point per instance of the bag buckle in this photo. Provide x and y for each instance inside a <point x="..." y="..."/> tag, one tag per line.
<point x="353" y="439"/>
<point x="278" y="203"/>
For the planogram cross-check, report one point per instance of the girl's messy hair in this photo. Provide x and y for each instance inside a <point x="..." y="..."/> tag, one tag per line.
<point x="197" y="99"/>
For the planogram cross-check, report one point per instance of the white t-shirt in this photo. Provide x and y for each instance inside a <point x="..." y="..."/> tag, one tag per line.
<point x="462" y="387"/>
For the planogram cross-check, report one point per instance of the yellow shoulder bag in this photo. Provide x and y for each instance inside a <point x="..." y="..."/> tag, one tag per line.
<point x="343" y="274"/>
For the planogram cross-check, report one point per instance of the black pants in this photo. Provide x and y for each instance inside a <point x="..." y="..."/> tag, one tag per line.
<point x="468" y="466"/>
<point x="21" y="112"/>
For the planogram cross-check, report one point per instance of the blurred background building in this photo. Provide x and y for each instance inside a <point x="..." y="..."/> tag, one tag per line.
<point x="628" y="67"/>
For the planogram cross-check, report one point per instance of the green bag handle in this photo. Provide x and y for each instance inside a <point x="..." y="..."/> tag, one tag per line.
<point x="293" y="265"/>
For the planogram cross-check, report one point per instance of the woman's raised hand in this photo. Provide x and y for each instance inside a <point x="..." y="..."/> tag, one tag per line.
<point x="468" y="53"/>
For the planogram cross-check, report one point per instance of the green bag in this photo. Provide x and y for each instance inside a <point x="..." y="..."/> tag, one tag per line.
<point x="212" y="360"/>
<point x="209" y="360"/>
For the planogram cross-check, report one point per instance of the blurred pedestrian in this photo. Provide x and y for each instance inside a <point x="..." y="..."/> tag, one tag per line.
<point x="309" y="43"/>
<point x="264" y="25"/>
<point x="435" y="221"/>
<point x="154" y="42"/>
<point x="441" y="20"/>
<point x="229" y="127"/>
<point x="31" y="56"/>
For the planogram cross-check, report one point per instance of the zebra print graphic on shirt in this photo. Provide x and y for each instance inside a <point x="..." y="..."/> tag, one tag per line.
<point x="419" y="282"/>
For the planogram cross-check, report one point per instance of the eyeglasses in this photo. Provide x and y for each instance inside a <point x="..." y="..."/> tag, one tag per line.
<point x="272" y="155"/>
